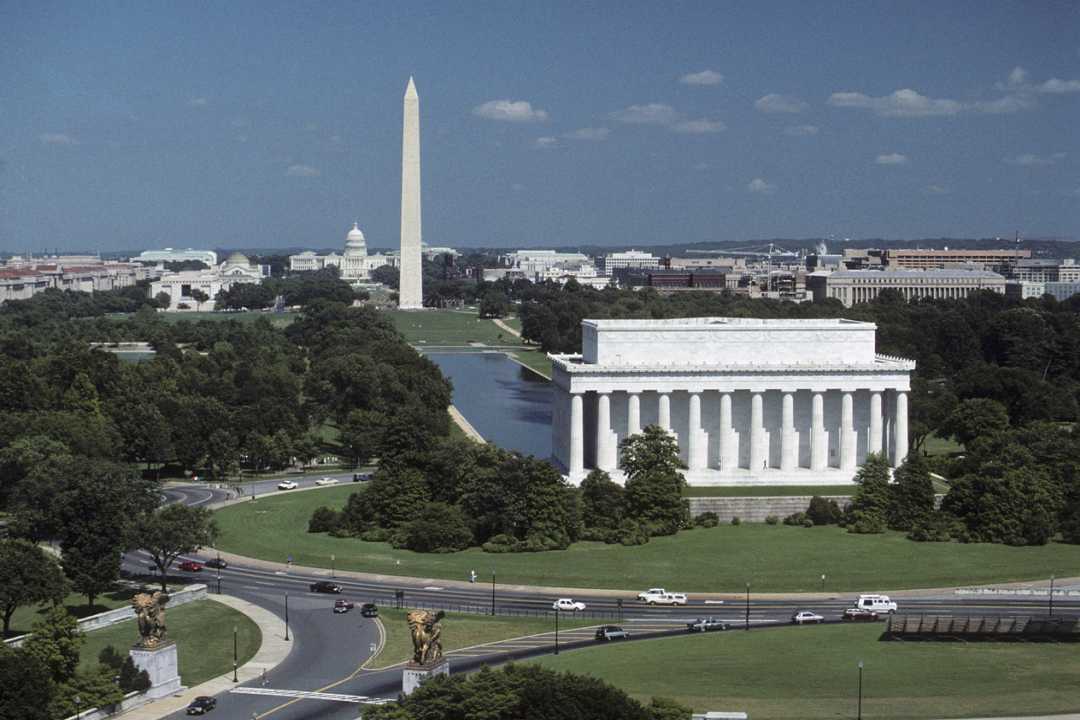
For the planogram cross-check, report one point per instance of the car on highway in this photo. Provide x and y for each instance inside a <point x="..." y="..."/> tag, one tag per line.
<point x="806" y="617"/>
<point x="651" y="592"/>
<point x="191" y="566"/>
<point x="201" y="705"/>
<point x="567" y="605"/>
<point x="369" y="610"/>
<point x="605" y="633"/>
<point x="877" y="603"/>
<point x="325" y="586"/>
<point x="216" y="563"/>
<point x="287" y="485"/>
<point x="342" y="606"/>
<point x="709" y="624"/>
<point x="667" y="599"/>
<point x="361" y="477"/>
<point x="856" y="614"/>
<point x="326" y="481"/>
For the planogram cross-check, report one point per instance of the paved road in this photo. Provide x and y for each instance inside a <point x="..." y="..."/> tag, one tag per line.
<point x="329" y="649"/>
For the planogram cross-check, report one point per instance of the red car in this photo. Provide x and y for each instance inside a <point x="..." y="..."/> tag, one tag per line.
<point x="190" y="566"/>
<point x="342" y="606"/>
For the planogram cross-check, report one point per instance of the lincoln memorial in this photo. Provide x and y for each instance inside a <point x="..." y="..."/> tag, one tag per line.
<point x="750" y="402"/>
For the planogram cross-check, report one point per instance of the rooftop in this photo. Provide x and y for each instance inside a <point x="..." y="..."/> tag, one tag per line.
<point x="949" y="273"/>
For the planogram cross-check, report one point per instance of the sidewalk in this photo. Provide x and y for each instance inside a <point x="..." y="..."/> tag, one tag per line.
<point x="272" y="652"/>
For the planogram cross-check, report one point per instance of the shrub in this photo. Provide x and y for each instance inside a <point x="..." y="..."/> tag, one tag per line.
<point x="110" y="657"/>
<point x="796" y="518"/>
<point x="437" y="527"/>
<point x="599" y="534"/>
<point x="736" y="520"/>
<point x="707" y="519"/>
<point x="501" y="543"/>
<point x="132" y="679"/>
<point x="631" y="532"/>
<point x="772" y="520"/>
<point x="862" y="522"/>
<point x="824" y="511"/>
<point x="324" y="519"/>
<point x="377" y="534"/>
<point x="935" y="527"/>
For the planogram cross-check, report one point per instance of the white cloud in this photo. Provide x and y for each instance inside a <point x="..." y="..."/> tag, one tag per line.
<point x="545" y="143"/>
<point x="699" y="127"/>
<point x="198" y="102"/>
<point x="1018" y="77"/>
<point x="57" y="139"/>
<point x="1003" y="105"/>
<point x="801" y="130"/>
<point x="302" y="171"/>
<point x="773" y="103"/>
<point x="902" y="103"/>
<point x="588" y="133"/>
<point x="650" y="114"/>
<point x="1056" y="86"/>
<point x="760" y="186"/>
<point x="705" y="77"/>
<point x="892" y="159"/>
<point x="936" y="190"/>
<point x="510" y="111"/>
<point x="1032" y="160"/>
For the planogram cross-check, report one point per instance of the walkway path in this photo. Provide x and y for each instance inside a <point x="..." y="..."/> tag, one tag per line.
<point x="506" y="327"/>
<point x="272" y="652"/>
<point x="465" y="425"/>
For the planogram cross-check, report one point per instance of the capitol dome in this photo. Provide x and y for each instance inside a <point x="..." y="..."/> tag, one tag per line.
<point x="355" y="244"/>
<point x="237" y="259"/>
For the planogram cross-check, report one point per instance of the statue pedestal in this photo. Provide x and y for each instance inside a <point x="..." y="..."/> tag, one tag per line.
<point x="161" y="665"/>
<point x="416" y="674"/>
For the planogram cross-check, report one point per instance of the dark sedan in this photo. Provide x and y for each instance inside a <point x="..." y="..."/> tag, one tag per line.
<point x="325" y="586"/>
<point x="201" y="705"/>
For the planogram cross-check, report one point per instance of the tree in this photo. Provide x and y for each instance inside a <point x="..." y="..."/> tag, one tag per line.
<point x="163" y="300"/>
<point x="870" y="503"/>
<point x="172" y="531"/>
<point x="603" y="502"/>
<point x="28" y="576"/>
<point x="973" y="418"/>
<point x="222" y="454"/>
<point x="912" y="493"/>
<point x="199" y="296"/>
<point x="387" y="275"/>
<point x="437" y="527"/>
<point x="55" y="643"/>
<point x="362" y="434"/>
<point x="494" y="305"/>
<point x="26" y="690"/>
<point x="654" y="481"/>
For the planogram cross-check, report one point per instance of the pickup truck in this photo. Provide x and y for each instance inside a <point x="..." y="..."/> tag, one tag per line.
<point x="667" y="599"/>
<point x="651" y="592"/>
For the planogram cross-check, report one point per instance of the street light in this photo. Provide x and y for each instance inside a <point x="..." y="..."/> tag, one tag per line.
<point x="332" y="565"/>
<point x="1051" y="596"/>
<point x="234" y="654"/>
<point x="822" y="582"/>
<point x="493" y="591"/>
<point x="747" y="606"/>
<point x="286" y="617"/>
<point x="556" y="629"/>
<point x="860" y="691"/>
<point x="78" y="707"/>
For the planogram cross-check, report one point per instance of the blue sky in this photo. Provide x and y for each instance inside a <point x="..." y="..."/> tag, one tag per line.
<point x="235" y="124"/>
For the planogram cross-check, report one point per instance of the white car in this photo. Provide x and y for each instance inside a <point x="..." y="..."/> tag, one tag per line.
<point x="567" y="605"/>
<point x="287" y="485"/>
<point x="326" y="481"/>
<point x="651" y="592"/>
<point x="805" y="617"/>
<point x="667" y="599"/>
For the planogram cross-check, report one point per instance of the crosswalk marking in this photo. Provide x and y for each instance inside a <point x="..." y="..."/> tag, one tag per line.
<point x="310" y="695"/>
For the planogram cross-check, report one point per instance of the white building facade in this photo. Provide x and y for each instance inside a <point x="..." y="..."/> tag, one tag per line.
<point x="354" y="264"/>
<point x="209" y="257"/>
<point x="750" y="402"/>
<point x="236" y="269"/>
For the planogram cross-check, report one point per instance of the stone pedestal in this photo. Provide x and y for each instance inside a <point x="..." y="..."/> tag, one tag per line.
<point x="161" y="665"/>
<point x="413" y="674"/>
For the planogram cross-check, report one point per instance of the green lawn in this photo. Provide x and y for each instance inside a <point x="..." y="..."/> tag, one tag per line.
<point x="934" y="445"/>
<point x="203" y="631"/>
<point x="769" y="491"/>
<point x="535" y="360"/>
<point x="449" y="327"/>
<point x="773" y="558"/>
<point x="463" y="630"/>
<point x="514" y="322"/>
<point x="25" y="616"/>
<point x="279" y="320"/>
<point x="812" y="672"/>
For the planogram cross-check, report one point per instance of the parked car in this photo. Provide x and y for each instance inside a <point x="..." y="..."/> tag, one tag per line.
<point x="651" y="592"/>
<point x="342" y="606"/>
<point x="667" y="599"/>
<point x="361" y="477"/>
<point x="856" y="614"/>
<point x="201" y="705"/>
<point x="325" y="586"/>
<point x="567" y="605"/>
<point x="216" y="563"/>
<point x="369" y="610"/>
<point x="877" y="603"/>
<point x="287" y="485"/>
<point x="190" y="566"/>
<point x="805" y="617"/>
<point x="611" y="632"/>
<point x="326" y="481"/>
<point x="708" y="624"/>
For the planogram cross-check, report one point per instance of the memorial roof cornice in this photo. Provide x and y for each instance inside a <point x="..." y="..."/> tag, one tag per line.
<point x="882" y="363"/>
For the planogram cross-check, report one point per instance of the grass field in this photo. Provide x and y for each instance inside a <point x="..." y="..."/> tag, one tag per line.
<point x="25" y="616"/>
<point x="935" y="445"/>
<point x="462" y="630"/>
<point x="812" y="672"/>
<point x="449" y="327"/>
<point x="535" y="360"/>
<point x="773" y="558"/>
<point x="203" y="631"/>
<point x="768" y="491"/>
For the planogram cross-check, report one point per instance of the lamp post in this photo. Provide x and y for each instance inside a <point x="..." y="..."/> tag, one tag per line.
<point x="332" y="565"/>
<point x="1052" y="596"/>
<point x="234" y="654"/>
<point x="78" y="707"/>
<point x="860" y="691"/>
<point x="219" y="579"/>
<point x="747" y="606"/>
<point x="556" y="629"/>
<point x="493" y="591"/>
<point x="822" y="582"/>
<point x="286" y="617"/>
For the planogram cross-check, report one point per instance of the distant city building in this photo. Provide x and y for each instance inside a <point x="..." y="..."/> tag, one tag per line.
<point x="532" y="263"/>
<point x="996" y="260"/>
<point x="1062" y="290"/>
<point x="703" y="263"/>
<point x="817" y="262"/>
<point x="354" y="264"/>
<point x="23" y="277"/>
<point x="685" y="279"/>
<point x="209" y="257"/>
<point x="857" y="286"/>
<point x="1024" y="289"/>
<point x="615" y="263"/>
<point x="430" y="253"/>
<point x="1045" y="270"/>
<point x="236" y="269"/>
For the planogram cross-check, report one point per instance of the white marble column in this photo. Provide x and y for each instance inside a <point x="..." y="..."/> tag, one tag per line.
<point x="788" y="451"/>
<point x="847" y="432"/>
<point x="633" y="414"/>
<point x="728" y="459"/>
<point x="874" y="445"/>
<point x="819" y="452"/>
<point x="900" y="439"/>
<point x="664" y="412"/>
<point x="757" y="436"/>
<point x="605" y="448"/>
<point x="694" y="446"/>
<point x="577" y="436"/>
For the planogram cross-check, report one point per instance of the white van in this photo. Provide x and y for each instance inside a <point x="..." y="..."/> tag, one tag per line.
<point x="877" y="603"/>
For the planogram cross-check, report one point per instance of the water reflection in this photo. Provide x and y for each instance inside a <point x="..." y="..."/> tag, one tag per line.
<point x="507" y="403"/>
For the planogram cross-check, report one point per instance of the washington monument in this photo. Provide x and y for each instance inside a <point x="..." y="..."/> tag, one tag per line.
<point x="410" y="292"/>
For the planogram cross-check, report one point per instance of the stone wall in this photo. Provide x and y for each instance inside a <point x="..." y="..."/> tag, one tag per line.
<point x="756" y="509"/>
